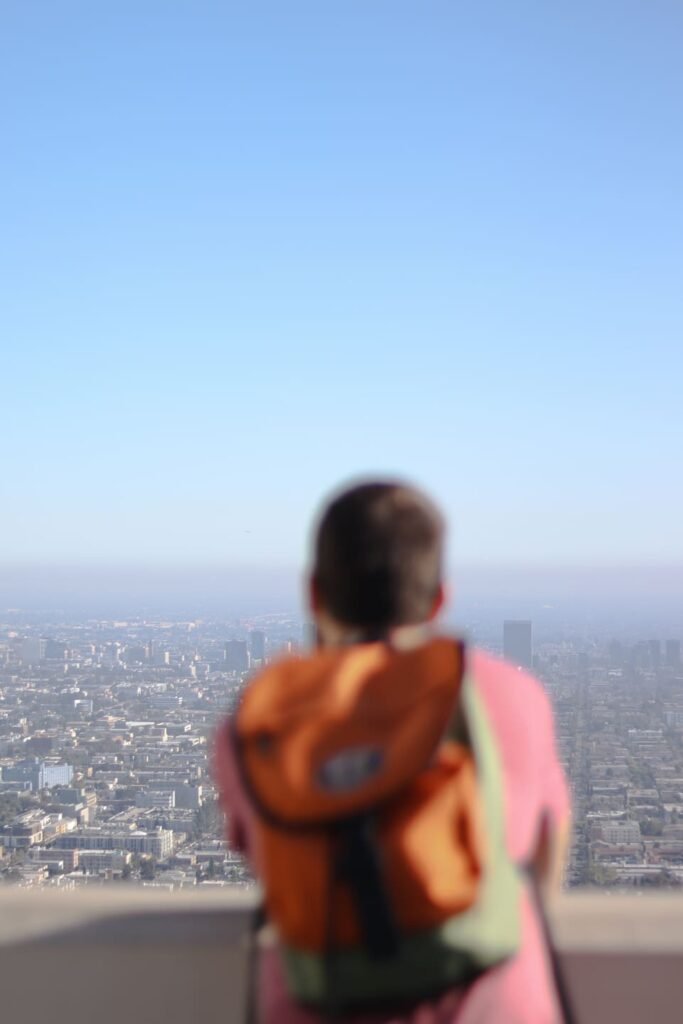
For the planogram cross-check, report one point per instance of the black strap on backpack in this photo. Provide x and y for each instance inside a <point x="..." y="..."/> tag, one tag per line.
<point x="556" y="969"/>
<point x="358" y="864"/>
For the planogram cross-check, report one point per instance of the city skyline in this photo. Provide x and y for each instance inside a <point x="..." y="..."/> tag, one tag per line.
<point x="106" y="726"/>
<point x="600" y="598"/>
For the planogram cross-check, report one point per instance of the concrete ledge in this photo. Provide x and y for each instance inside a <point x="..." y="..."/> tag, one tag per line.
<point x="136" y="956"/>
<point x="597" y="921"/>
<point x="622" y="956"/>
<point x="124" y="915"/>
<point x="123" y="957"/>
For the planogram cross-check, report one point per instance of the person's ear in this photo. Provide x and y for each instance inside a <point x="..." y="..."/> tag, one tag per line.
<point x="314" y="601"/>
<point x="439" y="601"/>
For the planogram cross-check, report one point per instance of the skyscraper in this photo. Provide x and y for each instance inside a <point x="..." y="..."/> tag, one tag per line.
<point x="33" y="650"/>
<point x="257" y="645"/>
<point x="616" y="653"/>
<point x="517" y="642"/>
<point x="655" y="654"/>
<point x="55" y="650"/>
<point x="236" y="656"/>
<point x="673" y="653"/>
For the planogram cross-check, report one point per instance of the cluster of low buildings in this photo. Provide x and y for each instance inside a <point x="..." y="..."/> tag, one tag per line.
<point x="619" y="710"/>
<point x="106" y="731"/>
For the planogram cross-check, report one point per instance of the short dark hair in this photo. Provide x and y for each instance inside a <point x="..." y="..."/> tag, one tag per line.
<point x="378" y="553"/>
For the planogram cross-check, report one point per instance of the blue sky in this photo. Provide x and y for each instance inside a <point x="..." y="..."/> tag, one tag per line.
<point x="250" y="250"/>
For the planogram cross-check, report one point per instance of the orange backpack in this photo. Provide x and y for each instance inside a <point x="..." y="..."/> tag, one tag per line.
<point x="374" y="779"/>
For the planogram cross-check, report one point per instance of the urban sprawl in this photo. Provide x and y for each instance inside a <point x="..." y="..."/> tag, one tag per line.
<point x="106" y="731"/>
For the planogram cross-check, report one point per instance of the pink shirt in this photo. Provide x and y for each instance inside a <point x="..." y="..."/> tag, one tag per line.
<point x="520" y="991"/>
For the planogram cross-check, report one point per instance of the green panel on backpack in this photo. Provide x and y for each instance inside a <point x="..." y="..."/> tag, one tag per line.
<point x="432" y="961"/>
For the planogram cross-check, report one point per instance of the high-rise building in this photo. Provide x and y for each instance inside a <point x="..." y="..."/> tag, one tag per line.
<point x="236" y="656"/>
<point x="616" y="653"/>
<point x="50" y="775"/>
<point x="655" y="654"/>
<point x="37" y="774"/>
<point x="33" y="650"/>
<point x="111" y="655"/>
<point x="673" y="653"/>
<point x="517" y="642"/>
<point x="55" y="650"/>
<point x="135" y="654"/>
<point x="257" y="645"/>
<point x="640" y="655"/>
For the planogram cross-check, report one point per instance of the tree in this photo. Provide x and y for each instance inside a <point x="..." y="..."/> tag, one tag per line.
<point x="147" y="869"/>
<point x="664" y="879"/>
<point x="12" y="804"/>
<point x="9" y="807"/>
<point x="602" y="874"/>
<point x="208" y="819"/>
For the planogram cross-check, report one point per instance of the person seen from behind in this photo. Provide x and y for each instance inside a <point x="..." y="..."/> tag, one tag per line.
<point x="393" y="791"/>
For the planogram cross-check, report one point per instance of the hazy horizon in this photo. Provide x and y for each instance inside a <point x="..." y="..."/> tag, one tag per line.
<point x="588" y="596"/>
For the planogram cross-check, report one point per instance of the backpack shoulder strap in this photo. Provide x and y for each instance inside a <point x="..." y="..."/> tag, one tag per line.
<point x="471" y="725"/>
<point x="458" y="728"/>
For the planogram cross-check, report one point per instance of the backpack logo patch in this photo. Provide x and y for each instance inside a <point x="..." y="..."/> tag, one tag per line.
<point x="350" y="769"/>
